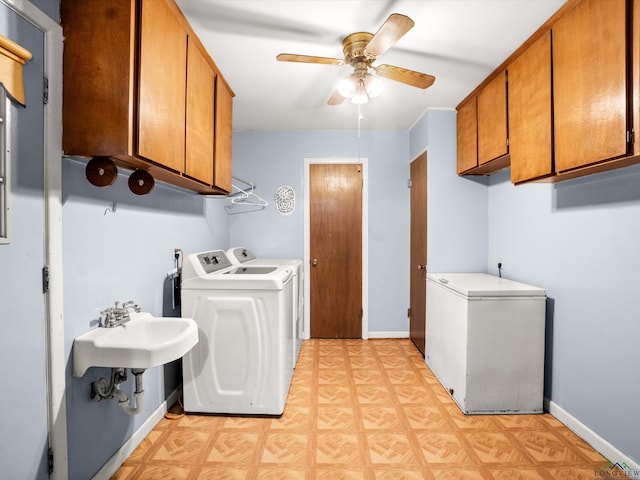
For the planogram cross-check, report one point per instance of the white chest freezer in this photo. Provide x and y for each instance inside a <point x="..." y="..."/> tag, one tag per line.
<point x="485" y="341"/>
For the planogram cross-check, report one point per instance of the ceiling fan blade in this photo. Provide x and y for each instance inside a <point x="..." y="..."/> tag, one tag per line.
<point x="291" y="57"/>
<point x="335" y="99"/>
<point x="388" y="34"/>
<point x="410" y="77"/>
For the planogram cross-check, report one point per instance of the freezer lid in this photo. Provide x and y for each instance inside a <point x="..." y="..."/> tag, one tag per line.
<point x="484" y="285"/>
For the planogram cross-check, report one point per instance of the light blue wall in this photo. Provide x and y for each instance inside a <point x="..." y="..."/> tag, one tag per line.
<point x="456" y="206"/>
<point x="122" y="255"/>
<point x="579" y="240"/>
<point x="271" y="159"/>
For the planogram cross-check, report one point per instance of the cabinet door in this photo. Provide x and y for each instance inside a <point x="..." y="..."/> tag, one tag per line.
<point x="590" y="83"/>
<point x="161" y="84"/>
<point x="467" y="136"/>
<point x="530" y="112"/>
<point x="199" y="120"/>
<point x="492" y="120"/>
<point x="223" y="136"/>
<point x="99" y="70"/>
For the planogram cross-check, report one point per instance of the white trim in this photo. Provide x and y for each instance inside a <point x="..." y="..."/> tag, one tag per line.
<point x="56" y="381"/>
<point x="415" y="157"/>
<point x="365" y="240"/>
<point x="118" y="458"/>
<point x="601" y="445"/>
<point x="6" y="193"/>
<point x="404" y="334"/>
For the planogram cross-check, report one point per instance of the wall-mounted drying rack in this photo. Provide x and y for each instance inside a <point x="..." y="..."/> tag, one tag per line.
<point x="244" y="200"/>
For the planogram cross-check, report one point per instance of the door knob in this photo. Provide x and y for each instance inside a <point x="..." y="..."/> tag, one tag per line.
<point x="422" y="267"/>
<point x="314" y="262"/>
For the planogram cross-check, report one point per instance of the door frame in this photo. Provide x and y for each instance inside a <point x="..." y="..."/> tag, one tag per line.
<point x="54" y="320"/>
<point x="365" y="241"/>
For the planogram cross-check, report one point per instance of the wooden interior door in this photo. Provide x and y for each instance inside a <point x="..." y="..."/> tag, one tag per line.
<point x="335" y="209"/>
<point x="418" y="255"/>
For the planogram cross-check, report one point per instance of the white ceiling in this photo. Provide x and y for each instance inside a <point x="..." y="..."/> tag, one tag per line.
<point x="458" y="41"/>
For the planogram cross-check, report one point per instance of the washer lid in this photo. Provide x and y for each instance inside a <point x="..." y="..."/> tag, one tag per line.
<point x="253" y="270"/>
<point x="484" y="285"/>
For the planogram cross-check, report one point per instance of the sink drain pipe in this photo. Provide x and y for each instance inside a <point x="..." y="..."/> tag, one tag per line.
<point x="138" y="395"/>
<point x="100" y="390"/>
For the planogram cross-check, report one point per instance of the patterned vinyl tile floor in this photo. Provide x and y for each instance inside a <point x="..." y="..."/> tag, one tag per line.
<point x="363" y="409"/>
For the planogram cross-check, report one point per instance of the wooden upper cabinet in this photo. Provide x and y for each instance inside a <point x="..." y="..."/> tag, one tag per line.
<point x="161" y="94"/>
<point x="492" y="120"/>
<point x="590" y="83"/>
<point x="201" y="84"/>
<point x="467" y="135"/>
<point x="530" y="112"/>
<point x="573" y="94"/>
<point x="223" y="136"/>
<point x="140" y="88"/>
<point x="99" y="77"/>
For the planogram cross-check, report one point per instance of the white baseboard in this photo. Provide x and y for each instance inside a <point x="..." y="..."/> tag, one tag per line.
<point x="602" y="446"/>
<point x="388" y="334"/>
<point x="118" y="458"/>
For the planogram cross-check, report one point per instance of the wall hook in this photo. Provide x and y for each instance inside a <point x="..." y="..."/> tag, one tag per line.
<point x="111" y="209"/>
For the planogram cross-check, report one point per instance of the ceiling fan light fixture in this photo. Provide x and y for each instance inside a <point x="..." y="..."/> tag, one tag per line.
<point x="373" y="85"/>
<point x="360" y="96"/>
<point x="347" y="87"/>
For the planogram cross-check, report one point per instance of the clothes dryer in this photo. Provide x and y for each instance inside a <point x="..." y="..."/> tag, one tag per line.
<point x="244" y="256"/>
<point x="242" y="363"/>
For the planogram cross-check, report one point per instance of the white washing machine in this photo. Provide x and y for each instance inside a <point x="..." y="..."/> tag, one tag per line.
<point x="242" y="363"/>
<point x="244" y="256"/>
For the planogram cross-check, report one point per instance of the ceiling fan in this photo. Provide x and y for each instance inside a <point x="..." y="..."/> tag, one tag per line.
<point x="361" y="49"/>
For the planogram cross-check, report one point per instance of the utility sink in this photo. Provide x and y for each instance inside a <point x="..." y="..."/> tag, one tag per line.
<point x="142" y="342"/>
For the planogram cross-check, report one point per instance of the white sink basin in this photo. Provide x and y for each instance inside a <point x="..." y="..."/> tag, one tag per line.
<point x="142" y="342"/>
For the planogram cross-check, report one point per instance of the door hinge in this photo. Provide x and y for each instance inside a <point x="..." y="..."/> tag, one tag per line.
<point x="631" y="137"/>
<point x="409" y="183"/>
<point x="45" y="90"/>
<point x="409" y="312"/>
<point x="50" y="461"/>
<point x="45" y="279"/>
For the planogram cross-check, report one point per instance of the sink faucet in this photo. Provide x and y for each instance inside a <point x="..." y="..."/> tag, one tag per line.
<point x="131" y="305"/>
<point x="114" y="316"/>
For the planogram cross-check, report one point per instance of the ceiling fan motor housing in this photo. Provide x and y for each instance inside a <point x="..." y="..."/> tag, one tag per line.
<point x="353" y="47"/>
